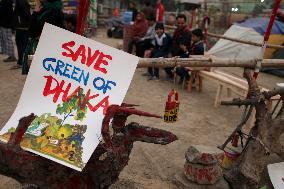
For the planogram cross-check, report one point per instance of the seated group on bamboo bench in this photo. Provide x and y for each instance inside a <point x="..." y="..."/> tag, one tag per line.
<point x="156" y="43"/>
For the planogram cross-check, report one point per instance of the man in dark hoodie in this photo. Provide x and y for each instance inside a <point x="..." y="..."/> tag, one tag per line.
<point x="22" y="17"/>
<point x="6" y="25"/>
<point x="49" y="11"/>
<point x="46" y="11"/>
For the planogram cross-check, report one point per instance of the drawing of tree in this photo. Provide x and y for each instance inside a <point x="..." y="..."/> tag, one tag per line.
<point x="73" y="107"/>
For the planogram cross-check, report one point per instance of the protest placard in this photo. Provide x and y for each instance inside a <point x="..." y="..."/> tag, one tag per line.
<point x="71" y="82"/>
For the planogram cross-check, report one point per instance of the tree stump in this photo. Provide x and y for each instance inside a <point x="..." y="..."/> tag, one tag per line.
<point x="263" y="138"/>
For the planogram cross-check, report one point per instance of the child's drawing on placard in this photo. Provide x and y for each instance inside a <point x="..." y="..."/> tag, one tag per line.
<point x="52" y="135"/>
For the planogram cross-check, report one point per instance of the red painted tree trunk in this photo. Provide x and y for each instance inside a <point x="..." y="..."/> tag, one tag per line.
<point x="82" y="13"/>
<point x="101" y="171"/>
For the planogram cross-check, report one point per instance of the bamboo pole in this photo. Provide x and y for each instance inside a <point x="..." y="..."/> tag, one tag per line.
<point x="235" y="40"/>
<point x="207" y="62"/>
<point x="244" y="41"/>
<point x="202" y="61"/>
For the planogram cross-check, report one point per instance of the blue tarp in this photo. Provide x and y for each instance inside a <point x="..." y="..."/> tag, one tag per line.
<point x="260" y="25"/>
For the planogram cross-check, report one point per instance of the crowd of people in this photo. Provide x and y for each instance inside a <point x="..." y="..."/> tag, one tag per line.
<point x="148" y="34"/>
<point x="16" y="16"/>
<point x="150" y="40"/>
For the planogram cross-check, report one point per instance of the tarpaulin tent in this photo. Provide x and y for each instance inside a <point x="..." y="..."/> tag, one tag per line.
<point x="253" y="30"/>
<point x="228" y="49"/>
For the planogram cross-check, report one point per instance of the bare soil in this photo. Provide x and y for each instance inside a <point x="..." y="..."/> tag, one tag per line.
<point x="151" y="166"/>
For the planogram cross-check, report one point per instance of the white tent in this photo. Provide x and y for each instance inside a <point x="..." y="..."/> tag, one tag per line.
<point x="228" y="49"/>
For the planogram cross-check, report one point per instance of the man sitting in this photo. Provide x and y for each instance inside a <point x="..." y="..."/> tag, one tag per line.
<point x="197" y="48"/>
<point x="182" y="35"/>
<point x="146" y="42"/>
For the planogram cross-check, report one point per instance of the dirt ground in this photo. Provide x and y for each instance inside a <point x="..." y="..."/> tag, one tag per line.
<point x="151" y="166"/>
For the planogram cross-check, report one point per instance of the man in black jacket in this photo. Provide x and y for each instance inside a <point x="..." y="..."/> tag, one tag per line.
<point x="6" y="25"/>
<point x="50" y="11"/>
<point x="46" y="11"/>
<point x="22" y="17"/>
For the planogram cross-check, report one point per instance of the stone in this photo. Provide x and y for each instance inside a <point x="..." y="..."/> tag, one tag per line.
<point x="205" y="155"/>
<point x="203" y="174"/>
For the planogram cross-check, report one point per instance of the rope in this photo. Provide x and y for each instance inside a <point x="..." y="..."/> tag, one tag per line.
<point x="250" y="137"/>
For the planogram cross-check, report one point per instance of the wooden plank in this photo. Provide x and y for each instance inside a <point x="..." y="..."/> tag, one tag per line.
<point x="218" y="96"/>
<point x="223" y="80"/>
<point x="232" y="84"/>
<point x="229" y="93"/>
<point x="234" y="78"/>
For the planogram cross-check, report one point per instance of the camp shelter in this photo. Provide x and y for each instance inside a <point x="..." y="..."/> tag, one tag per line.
<point x="253" y="30"/>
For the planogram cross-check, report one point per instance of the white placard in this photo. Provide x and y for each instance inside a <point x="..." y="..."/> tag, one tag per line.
<point x="71" y="82"/>
<point x="276" y="174"/>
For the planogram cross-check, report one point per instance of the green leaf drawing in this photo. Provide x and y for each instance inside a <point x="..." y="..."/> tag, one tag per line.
<point x="73" y="107"/>
<point x="11" y="130"/>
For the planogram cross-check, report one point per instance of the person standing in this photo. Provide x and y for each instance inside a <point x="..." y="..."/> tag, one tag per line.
<point x="46" y="11"/>
<point x="49" y="11"/>
<point x="148" y="10"/>
<point x="160" y="11"/>
<point x="132" y="8"/>
<point x="6" y="25"/>
<point x="22" y="18"/>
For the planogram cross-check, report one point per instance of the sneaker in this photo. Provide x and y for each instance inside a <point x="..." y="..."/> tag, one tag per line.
<point x="10" y="59"/>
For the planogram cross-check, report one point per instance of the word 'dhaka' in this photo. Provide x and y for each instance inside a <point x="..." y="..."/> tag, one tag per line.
<point x="98" y="59"/>
<point x="56" y="88"/>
